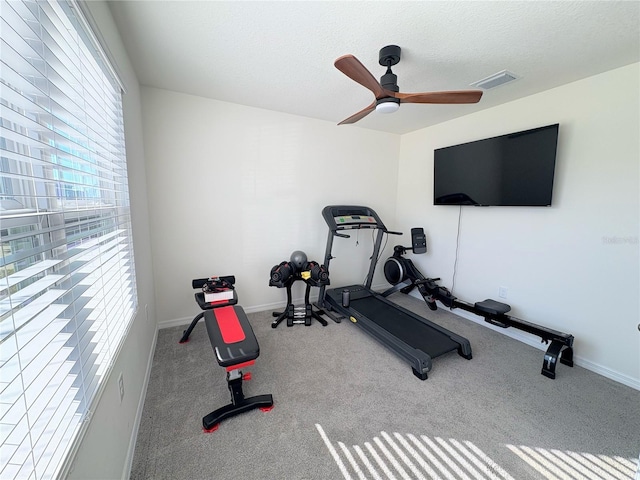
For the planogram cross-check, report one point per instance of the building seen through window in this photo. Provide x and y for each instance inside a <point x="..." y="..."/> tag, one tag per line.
<point x="67" y="276"/>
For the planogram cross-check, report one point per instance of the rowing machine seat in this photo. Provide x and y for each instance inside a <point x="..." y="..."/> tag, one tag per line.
<point x="492" y="307"/>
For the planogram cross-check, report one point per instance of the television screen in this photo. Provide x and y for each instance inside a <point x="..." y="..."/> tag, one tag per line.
<point x="510" y="170"/>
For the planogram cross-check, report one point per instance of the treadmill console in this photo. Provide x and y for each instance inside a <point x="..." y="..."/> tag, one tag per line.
<point x="344" y="217"/>
<point x="355" y="221"/>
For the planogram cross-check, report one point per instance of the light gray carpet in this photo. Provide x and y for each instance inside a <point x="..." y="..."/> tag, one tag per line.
<point x="347" y="407"/>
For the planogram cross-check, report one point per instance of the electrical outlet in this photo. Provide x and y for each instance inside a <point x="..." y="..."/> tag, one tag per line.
<point x="503" y="292"/>
<point x="121" y="386"/>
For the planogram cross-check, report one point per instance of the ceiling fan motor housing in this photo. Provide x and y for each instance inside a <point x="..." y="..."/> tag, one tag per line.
<point x="389" y="56"/>
<point x="389" y="81"/>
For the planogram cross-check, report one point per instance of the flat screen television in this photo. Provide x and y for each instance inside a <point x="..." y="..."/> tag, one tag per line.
<point x="516" y="169"/>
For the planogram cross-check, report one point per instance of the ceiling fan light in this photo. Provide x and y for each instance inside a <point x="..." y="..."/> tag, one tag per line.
<point x="388" y="106"/>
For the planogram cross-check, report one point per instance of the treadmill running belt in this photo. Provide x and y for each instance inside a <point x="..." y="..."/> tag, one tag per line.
<point x="406" y="328"/>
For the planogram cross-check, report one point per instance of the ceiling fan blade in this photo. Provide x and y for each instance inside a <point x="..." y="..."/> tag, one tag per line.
<point x="356" y="71"/>
<point x="456" y="96"/>
<point x="360" y="115"/>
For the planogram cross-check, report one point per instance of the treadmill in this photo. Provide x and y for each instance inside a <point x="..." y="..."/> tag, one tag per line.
<point x="414" y="338"/>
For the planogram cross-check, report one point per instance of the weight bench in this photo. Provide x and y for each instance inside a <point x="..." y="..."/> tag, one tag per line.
<point x="235" y="347"/>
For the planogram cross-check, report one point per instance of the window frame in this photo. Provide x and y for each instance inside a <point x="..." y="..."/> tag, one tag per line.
<point x="74" y="183"/>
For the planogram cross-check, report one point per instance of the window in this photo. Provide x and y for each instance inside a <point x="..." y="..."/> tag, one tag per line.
<point x="67" y="280"/>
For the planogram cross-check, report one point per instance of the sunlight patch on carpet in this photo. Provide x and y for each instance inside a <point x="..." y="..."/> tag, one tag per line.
<point x="566" y="465"/>
<point x="408" y="457"/>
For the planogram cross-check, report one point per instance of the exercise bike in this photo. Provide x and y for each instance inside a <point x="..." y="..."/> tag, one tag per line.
<point x="405" y="277"/>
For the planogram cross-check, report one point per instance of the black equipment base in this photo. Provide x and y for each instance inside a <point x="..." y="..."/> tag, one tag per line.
<point x="412" y="337"/>
<point x="298" y="315"/>
<point x="239" y="404"/>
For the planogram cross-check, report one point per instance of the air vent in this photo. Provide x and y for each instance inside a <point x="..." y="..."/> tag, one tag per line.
<point x="495" y="80"/>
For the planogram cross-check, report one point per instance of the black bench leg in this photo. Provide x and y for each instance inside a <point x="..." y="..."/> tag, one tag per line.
<point x="239" y="404"/>
<point x="187" y="332"/>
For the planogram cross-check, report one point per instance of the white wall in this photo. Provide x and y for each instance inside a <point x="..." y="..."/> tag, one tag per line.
<point x="107" y="446"/>
<point x="234" y="190"/>
<point x="574" y="266"/>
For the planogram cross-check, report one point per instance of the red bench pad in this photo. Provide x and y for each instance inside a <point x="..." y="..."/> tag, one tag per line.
<point x="231" y="335"/>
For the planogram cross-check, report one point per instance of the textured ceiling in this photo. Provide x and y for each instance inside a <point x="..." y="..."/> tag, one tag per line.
<point x="279" y="55"/>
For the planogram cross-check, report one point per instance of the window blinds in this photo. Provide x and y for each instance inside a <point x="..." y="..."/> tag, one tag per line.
<point x="67" y="280"/>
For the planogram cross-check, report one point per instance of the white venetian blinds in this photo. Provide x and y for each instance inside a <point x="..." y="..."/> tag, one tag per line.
<point x="67" y="280"/>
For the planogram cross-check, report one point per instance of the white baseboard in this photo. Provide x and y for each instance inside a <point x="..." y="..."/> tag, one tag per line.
<point x="253" y="309"/>
<point x="174" y="323"/>
<point x="126" y="473"/>
<point x="607" y="372"/>
<point x="257" y="308"/>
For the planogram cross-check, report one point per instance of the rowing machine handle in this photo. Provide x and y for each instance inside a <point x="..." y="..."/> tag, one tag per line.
<point x="393" y="233"/>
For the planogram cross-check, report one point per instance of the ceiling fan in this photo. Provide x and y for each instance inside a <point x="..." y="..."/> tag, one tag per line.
<point x="388" y="97"/>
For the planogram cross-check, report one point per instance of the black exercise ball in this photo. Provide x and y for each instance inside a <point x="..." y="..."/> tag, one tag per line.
<point x="298" y="259"/>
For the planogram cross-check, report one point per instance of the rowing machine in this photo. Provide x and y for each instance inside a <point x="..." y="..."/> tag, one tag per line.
<point x="405" y="276"/>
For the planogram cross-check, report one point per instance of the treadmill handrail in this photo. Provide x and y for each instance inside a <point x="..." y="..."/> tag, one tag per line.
<point x="351" y="214"/>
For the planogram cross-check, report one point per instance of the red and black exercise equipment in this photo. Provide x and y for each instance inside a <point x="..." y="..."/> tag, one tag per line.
<point x="235" y="347"/>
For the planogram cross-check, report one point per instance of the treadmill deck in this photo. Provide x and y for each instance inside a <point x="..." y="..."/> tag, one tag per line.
<point x="410" y="335"/>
